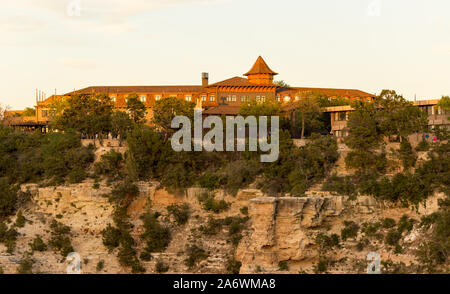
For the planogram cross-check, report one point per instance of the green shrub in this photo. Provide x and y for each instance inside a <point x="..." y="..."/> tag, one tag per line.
<point x="209" y="181"/>
<point x="283" y="265"/>
<point x="244" y="210"/>
<point x="8" y="237"/>
<point x="405" y="224"/>
<point x="388" y="223"/>
<point x="213" y="227"/>
<point x="350" y="230"/>
<point x="161" y="267"/>
<point x="7" y="198"/>
<point x="20" y="220"/>
<point x="322" y="266"/>
<point x="210" y="204"/>
<point x="179" y="212"/>
<point x="233" y="266"/>
<point x="423" y="146"/>
<point x="370" y="229"/>
<point x="111" y="237"/>
<point x="195" y="255"/>
<point x="124" y="193"/>
<point x="25" y="266"/>
<point x="326" y="242"/>
<point x="407" y="154"/>
<point x="60" y="238"/>
<point x="156" y="236"/>
<point x="340" y="185"/>
<point x="111" y="165"/>
<point x="38" y="244"/>
<point x="100" y="265"/>
<point x="392" y="237"/>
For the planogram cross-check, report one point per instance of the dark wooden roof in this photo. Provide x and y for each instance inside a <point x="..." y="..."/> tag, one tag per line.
<point x="260" y="67"/>
<point x="223" y="109"/>
<point x="350" y="93"/>
<point x="137" y="89"/>
<point x="239" y="82"/>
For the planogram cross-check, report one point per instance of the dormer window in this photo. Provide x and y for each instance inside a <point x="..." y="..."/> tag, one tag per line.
<point x="212" y="98"/>
<point x="203" y="98"/>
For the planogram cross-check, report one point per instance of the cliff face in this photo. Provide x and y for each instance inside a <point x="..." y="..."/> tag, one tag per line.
<point x="279" y="229"/>
<point x="285" y="230"/>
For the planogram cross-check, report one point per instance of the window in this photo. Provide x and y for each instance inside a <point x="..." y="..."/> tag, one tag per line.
<point x="341" y="116"/>
<point x="188" y="97"/>
<point x="243" y="98"/>
<point x="228" y="98"/>
<point x="212" y="98"/>
<point x="203" y="98"/>
<point x="157" y="97"/>
<point x="44" y="113"/>
<point x="233" y="98"/>
<point x="113" y="99"/>
<point x="143" y="98"/>
<point x="297" y="98"/>
<point x="286" y="98"/>
<point x="278" y="98"/>
<point x="258" y="98"/>
<point x="263" y="98"/>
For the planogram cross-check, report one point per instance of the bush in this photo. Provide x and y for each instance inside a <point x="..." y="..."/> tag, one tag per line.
<point x="244" y="210"/>
<point x="210" y="204"/>
<point x="60" y="238"/>
<point x="124" y="193"/>
<point x="111" y="165"/>
<point x="405" y="224"/>
<point x="283" y="265"/>
<point x="233" y="266"/>
<point x="7" y="198"/>
<point x="213" y="227"/>
<point x="407" y="154"/>
<point x="111" y="237"/>
<point x="8" y="237"/>
<point x="393" y="237"/>
<point x="370" y="229"/>
<point x="155" y="236"/>
<point x="20" y="220"/>
<point x="179" y="212"/>
<point x="195" y="255"/>
<point x="209" y="181"/>
<point x="388" y="223"/>
<point x="423" y="146"/>
<point x="340" y="185"/>
<point x="25" y="266"/>
<point x="327" y="242"/>
<point x="350" y="231"/>
<point x="38" y="244"/>
<point x="161" y="267"/>
<point x="100" y="265"/>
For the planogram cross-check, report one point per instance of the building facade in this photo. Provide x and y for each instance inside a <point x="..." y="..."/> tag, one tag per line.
<point x="220" y="98"/>
<point x="436" y="116"/>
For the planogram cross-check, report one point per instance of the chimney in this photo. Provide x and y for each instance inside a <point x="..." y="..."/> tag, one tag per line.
<point x="205" y="78"/>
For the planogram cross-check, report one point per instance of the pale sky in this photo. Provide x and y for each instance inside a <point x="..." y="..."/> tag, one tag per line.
<point x="368" y="45"/>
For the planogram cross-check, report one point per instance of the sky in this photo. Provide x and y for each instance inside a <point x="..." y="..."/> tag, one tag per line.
<point x="368" y="45"/>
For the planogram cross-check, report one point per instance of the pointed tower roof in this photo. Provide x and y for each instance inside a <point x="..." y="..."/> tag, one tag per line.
<point x="260" y="67"/>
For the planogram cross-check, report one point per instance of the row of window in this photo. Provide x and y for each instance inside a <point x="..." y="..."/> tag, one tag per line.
<point x="431" y="110"/>
<point x="143" y="98"/>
